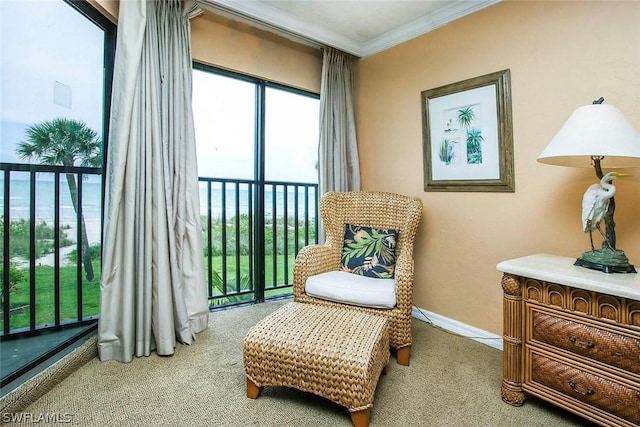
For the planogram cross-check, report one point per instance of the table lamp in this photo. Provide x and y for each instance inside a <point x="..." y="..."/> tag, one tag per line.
<point x="598" y="136"/>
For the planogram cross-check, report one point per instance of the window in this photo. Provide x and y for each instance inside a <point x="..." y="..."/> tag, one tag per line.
<point x="57" y="59"/>
<point x="224" y="112"/>
<point x="257" y="146"/>
<point x="291" y="136"/>
<point x="225" y="109"/>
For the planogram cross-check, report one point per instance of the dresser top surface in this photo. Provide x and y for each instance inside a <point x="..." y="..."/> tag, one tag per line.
<point x="557" y="269"/>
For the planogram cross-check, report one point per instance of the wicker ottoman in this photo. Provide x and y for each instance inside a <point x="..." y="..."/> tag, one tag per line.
<point x="333" y="352"/>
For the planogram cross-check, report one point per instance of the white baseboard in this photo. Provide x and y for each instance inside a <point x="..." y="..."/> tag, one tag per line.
<point x="459" y="328"/>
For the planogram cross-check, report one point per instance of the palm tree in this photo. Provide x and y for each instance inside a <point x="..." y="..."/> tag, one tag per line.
<point x="466" y="116"/>
<point x="64" y="142"/>
<point x="474" y="146"/>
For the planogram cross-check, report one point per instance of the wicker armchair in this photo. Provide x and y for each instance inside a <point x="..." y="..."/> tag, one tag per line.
<point x="371" y="209"/>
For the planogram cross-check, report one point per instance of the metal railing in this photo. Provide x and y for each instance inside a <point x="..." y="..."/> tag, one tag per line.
<point x="244" y="248"/>
<point x="249" y="248"/>
<point x="45" y="283"/>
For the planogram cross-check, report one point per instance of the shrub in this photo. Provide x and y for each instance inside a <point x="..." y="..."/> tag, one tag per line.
<point x="95" y="250"/>
<point x="20" y="238"/>
<point x="15" y="275"/>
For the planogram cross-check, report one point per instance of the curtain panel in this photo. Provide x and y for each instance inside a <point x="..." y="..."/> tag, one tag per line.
<point x="338" y="164"/>
<point x="153" y="290"/>
<point x="338" y="149"/>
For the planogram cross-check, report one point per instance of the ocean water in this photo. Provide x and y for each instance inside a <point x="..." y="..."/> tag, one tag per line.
<point x="237" y="200"/>
<point x="20" y="196"/>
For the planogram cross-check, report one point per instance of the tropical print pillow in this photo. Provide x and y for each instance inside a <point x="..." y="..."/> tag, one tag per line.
<point x="369" y="251"/>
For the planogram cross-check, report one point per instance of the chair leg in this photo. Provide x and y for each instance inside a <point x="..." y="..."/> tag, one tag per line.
<point x="403" y="355"/>
<point x="253" y="391"/>
<point x="361" y="418"/>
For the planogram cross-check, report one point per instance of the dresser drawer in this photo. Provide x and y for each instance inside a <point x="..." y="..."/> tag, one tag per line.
<point x="603" y="343"/>
<point x="617" y="398"/>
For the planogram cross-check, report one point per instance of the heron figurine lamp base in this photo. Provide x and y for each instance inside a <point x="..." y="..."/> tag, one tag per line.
<point x="608" y="259"/>
<point x="606" y="268"/>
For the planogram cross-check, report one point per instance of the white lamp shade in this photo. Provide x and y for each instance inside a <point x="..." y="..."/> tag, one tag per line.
<point x="594" y="130"/>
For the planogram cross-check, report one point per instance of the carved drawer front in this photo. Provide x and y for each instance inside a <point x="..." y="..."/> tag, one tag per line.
<point x="615" y="349"/>
<point x="600" y="392"/>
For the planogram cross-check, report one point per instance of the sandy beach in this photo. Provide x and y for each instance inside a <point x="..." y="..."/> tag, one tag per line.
<point x="93" y="234"/>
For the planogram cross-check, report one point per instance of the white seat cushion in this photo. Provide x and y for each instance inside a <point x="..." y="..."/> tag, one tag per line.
<point x="349" y="288"/>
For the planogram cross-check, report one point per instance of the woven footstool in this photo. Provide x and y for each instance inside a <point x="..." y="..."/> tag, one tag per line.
<point x="333" y="352"/>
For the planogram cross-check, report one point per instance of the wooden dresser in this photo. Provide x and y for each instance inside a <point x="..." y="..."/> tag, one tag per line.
<point x="572" y="337"/>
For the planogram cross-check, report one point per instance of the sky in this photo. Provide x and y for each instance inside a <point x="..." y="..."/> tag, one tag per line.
<point x="52" y="66"/>
<point x="44" y="45"/>
<point x="224" y="116"/>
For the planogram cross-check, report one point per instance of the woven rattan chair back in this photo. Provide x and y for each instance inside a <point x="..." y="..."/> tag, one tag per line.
<point x="372" y="209"/>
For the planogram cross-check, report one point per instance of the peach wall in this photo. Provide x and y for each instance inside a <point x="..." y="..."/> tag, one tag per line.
<point x="238" y="47"/>
<point x="561" y="55"/>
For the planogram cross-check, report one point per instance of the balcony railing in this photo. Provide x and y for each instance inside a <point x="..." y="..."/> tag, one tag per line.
<point x="46" y="284"/>
<point x="241" y="243"/>
<point x="47" y="212"/>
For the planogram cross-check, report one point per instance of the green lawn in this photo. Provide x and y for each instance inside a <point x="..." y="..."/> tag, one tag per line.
<point x="44" y="294"/>
<point x="44" y="275"/>
<point x="243" y="281"/>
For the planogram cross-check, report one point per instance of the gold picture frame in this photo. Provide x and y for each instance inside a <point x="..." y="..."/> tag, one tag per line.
<point x="468" y="135"/>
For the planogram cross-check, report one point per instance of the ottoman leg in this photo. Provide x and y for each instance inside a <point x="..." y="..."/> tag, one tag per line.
<point x="253" y="391"/>
<point x="361" y="418"/>
<point x="403" y="355"/>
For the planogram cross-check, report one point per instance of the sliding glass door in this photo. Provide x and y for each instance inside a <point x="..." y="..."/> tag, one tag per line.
<point x="257" y="147"/>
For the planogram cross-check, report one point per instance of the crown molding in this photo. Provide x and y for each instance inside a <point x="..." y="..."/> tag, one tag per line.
<point x="273" y="19"/>
<point x="423" y="25"/>
<point x="285" y="24"/>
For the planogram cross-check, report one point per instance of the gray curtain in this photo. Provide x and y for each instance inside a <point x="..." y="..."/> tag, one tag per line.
<point x="338" y="149"/>
<point x="153" y="289"/>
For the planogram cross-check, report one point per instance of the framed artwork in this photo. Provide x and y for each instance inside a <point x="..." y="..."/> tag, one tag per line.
<point x="467" y="135"/>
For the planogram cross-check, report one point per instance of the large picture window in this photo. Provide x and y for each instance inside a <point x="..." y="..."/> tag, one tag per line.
<point x="257" y="146"/>
<point x="56" y="68"/>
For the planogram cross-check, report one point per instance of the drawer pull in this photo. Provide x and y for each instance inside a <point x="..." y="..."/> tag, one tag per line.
<point x="581" y="389"/>
<point x="582" y="343"/>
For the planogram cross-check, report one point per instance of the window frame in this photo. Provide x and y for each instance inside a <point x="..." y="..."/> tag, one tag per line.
<point x="259" y="161"/>
<point x="109" y="28"/>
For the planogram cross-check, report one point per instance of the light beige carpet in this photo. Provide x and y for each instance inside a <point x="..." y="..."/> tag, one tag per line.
<point x="452" y="381"/>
